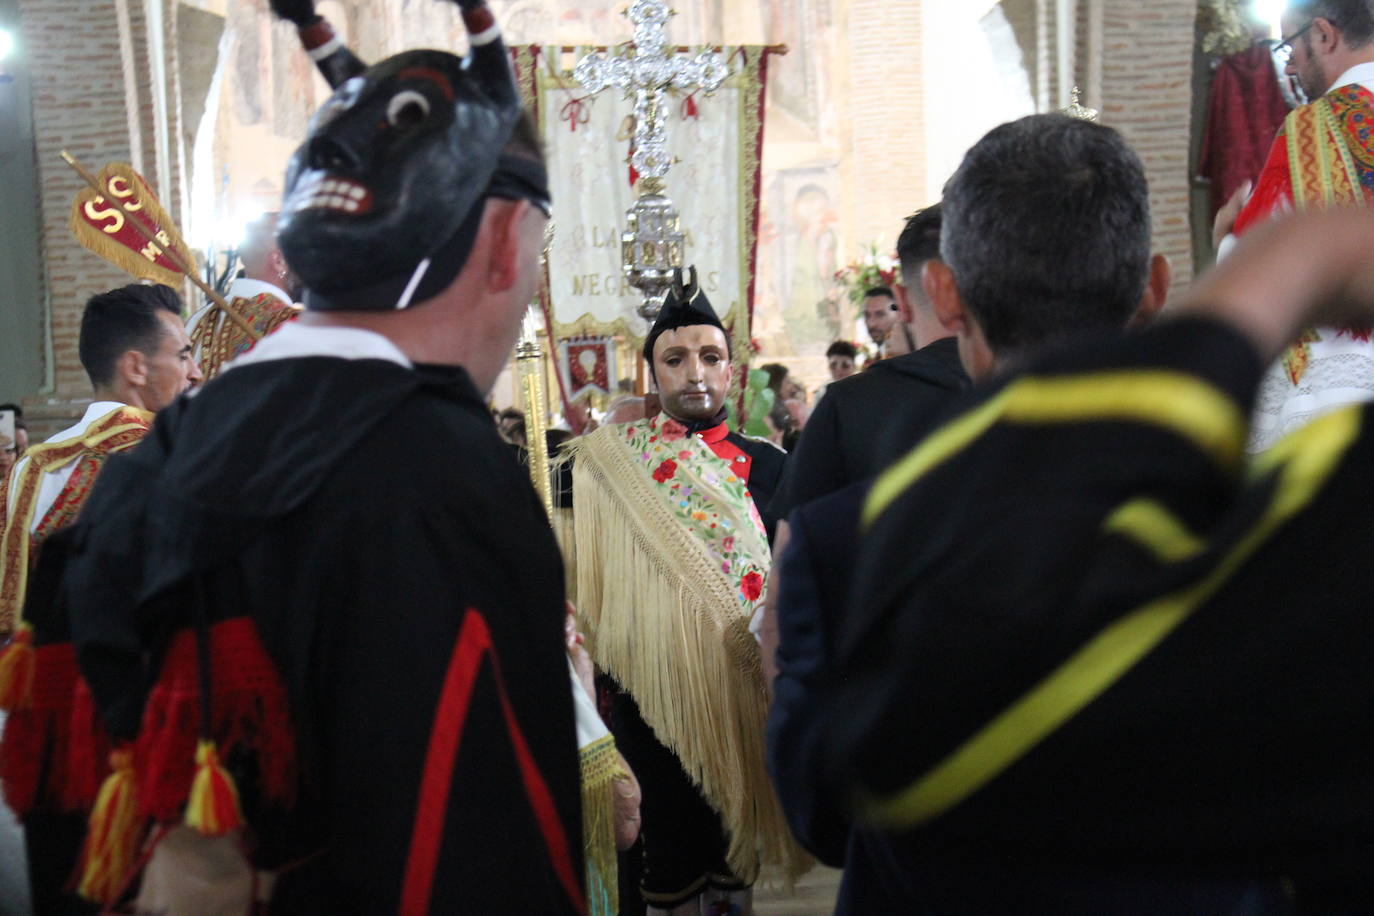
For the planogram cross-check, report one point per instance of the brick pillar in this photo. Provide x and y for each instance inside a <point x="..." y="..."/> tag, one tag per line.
<point x="885" y="131"/>
<point x="92" y="96"/>
<point x="1147" y="72"/>
<point x="79" y="105"/>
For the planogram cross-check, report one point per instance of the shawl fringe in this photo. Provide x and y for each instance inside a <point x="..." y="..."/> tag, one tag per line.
<point x="703" y="691"/>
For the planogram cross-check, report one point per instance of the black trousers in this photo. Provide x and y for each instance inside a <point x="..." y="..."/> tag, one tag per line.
<point x="683" y="838"/>
<point x="52" y="844"/>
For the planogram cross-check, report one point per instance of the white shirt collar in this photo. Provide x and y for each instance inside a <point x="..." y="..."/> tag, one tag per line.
<point x="1360" y="73"/>
<point x="94" y="412"/>
<point x="97" y="410"/>
<point x="296" y="340"/>
<point x="244" y="288"/>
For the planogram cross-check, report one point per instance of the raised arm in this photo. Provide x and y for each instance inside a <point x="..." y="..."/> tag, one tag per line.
<point x="1312" y="268"/>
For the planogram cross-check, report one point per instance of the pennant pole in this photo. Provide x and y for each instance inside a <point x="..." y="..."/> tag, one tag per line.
<point x="169" y="251"/>
<point x="529" y="358"/>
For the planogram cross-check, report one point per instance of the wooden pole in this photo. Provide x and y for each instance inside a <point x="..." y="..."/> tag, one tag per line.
<point x="528" y="357"/>
<point x="187" y="270"/>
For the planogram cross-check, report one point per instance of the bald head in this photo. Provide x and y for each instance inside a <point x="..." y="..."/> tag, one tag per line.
<point x="625" y="410"/>
<point x="262" y="259"/>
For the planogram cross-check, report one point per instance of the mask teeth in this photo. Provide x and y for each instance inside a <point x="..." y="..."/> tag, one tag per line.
<point x="328" y="193"/>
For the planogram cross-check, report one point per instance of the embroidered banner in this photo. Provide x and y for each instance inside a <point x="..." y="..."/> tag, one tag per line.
<point x="104" y="229"/>
<point x="587" y="364"/>
<point x="715" y="184"/>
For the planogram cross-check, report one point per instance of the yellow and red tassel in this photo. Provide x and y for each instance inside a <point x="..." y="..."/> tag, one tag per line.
<point x="16" y="671"/>
<point x="213" y="805"/>
<point x="113" y="833"/>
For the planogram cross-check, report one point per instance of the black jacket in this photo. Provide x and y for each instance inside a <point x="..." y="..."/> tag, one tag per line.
<point x="842" y="442"/>
<point x="374" y="527"/>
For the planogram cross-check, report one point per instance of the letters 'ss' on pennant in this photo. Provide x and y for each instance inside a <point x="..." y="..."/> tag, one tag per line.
<point x="101" y="226"/>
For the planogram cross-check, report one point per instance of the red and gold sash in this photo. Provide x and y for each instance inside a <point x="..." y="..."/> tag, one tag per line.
<point x="1331" y="149"/>
<point x="218" y="340"/>
<point x="1323" y="157"/>
<point x="117" y="430"/>
<point x="37" y="683"/>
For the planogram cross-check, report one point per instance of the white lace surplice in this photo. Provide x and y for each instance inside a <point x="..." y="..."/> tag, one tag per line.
<point x="1340" y="372"/>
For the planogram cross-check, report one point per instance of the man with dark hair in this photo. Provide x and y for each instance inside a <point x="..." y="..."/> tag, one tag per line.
<point x="840" y="358"/>
<point x="1069" y="185"/>
<point x="136" y="354"/>
<point x="880" y="315"/>
<point x="1323" y="156"/>
<point x="840" y="443"/>
<point x="336" y="525"/>
<point x="672" y="552"/>
<point x="1021" y="268"/>
<point x="138" y="358"/>
<point x="1085" y="689"/>
<point x="822" y="487"/>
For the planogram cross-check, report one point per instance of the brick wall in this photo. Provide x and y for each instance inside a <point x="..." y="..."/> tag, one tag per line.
<point x="80" y="102"/>
<point x="1145" y="92"/>
<point x="79" y="105"/>
<point x="92" y="78"/>
<point x="885" y="167"/>
<point x="1147" y="77"/>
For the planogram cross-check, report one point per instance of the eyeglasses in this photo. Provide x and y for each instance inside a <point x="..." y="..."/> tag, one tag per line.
<point x="1284" y="49"/>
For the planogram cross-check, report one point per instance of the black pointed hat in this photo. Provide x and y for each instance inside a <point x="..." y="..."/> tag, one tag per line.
<point x="684" y="305"/>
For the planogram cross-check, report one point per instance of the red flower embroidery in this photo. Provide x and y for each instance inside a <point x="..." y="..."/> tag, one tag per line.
<point x="751" y="585"/>
<point x="672" y="429"/>
<point x="684" y="455"/>
<point x="665" y="471"/>
<point x="728" y="544"/>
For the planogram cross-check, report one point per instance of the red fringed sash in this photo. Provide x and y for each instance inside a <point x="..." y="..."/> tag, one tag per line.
<point x="249" y="711"/>
<point x="37" y="739"/>
<point x="88" y="762"/>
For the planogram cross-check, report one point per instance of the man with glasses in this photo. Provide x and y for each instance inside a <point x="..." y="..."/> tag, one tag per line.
<point x="1323" y="156"/>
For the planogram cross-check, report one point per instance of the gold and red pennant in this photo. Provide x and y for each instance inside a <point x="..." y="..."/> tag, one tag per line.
<point x="158" y="253"/>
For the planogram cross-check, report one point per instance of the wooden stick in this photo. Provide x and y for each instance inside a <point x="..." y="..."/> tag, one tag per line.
<point x="168" y="250"/>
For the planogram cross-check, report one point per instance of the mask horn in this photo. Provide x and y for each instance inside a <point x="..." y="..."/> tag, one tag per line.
<point x="336" y="62"/>
<point x="488" y="62"/>
<point x="679" y="285"/>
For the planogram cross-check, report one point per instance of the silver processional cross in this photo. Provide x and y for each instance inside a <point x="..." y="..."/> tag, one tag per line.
<point x="651" y="246"/>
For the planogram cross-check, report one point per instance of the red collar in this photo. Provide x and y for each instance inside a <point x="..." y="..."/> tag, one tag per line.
<point x="714" y="434"/>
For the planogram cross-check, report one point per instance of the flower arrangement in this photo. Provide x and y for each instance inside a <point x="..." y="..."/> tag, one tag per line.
<point x="869" y="270"/>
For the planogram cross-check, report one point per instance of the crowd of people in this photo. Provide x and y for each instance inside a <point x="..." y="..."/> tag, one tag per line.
<point x="1053" y="608"/>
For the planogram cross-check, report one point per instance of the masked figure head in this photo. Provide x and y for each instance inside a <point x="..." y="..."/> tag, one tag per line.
<point x="384" y="198"/>
<point x="688" y="352"/>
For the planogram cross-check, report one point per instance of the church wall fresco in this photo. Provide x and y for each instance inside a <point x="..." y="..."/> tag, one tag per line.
<point x="266" y="97"/>
<point x="865" y="117"/>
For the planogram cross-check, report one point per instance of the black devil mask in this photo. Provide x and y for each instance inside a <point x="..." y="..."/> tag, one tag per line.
<point x="383" y="200"/>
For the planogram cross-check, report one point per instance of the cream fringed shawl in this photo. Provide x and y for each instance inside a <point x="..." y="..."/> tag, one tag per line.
<point x="671" y="558"/>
